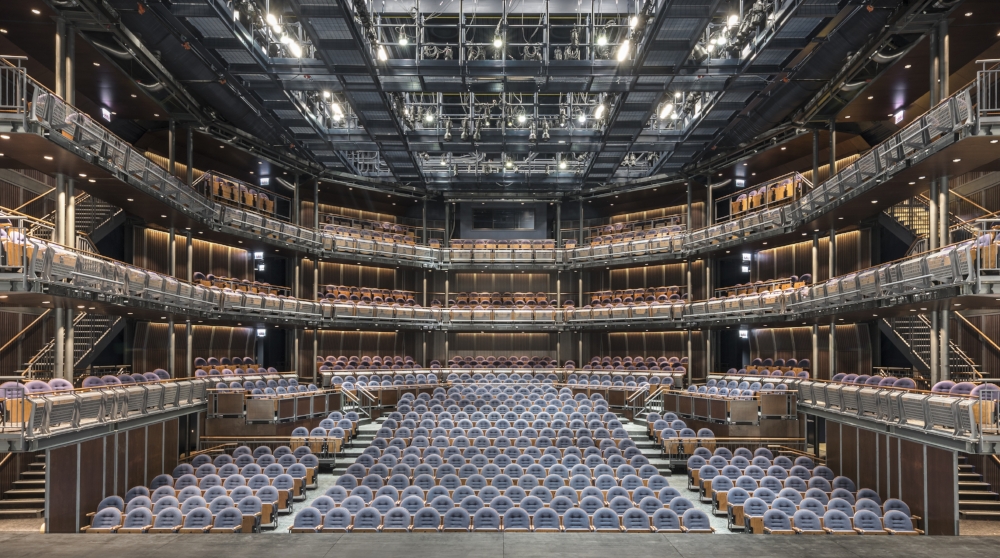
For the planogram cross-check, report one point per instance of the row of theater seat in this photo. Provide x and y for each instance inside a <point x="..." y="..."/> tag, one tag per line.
<point x="499" y="483"/>
<point x="223" y="362"/>
<point x="239" y="193"/>
<point x="207" y="499"/>
<point x="242" y="285"/>
<point x="599" y="244"/>
<point x="14" y="390"/>
<point x="761" y="287"/>
<point x="625" y="296"/>
<point x="346" y="293"/>
<point x="738" y="486"/>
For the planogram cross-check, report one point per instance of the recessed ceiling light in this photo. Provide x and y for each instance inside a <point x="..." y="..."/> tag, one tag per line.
<point x="91" y="180"/>
<point x="840" y="218"/>
<point x="83" y="175"/>
<point x="908" y="66"/>
<point x="133" y="95"/>
<point x="36" y="12"/>
<point x="912" y="183"/>
<point x="921" y="177"/>
<point x="47" y="157"/>
<point x="848" y="116"/>
<point x="994" y="141"/>
<point x="870" y="97"/>
<point x="784" y="148"/>
<point x="164" y="216"/>
<point x="4" y="31"/>
<point x="222" y="147"/>
<point x="97" y="63"/>
<point x="956" y="160"/>
<point x="131" y="199"/>
<point x="968" y="14"/>
<point x="874" y="201"/>
<point x="46" y="302"/>
<point x="4" y="136"/>
<point x="156" y="115"/>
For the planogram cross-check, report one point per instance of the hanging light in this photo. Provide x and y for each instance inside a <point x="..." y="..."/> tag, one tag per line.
<point x="429" y="115"/>
<point x="521" y="118"/>
<point x="381" y="53"/>
<point x="326" y="94"/>
<point x="665" y="110"/>
<point x="633" y="21"/>
<point x="581" y="117"/>
<point x="444" y="160"/>
<point x="623" y="50"/>
<point x="497" y="39"/>
<point x="508" y="163"/>
<point x="602" y="38"/>
<point x="338" y="113"/>
<point x="562" y="163"/>
<point x="599" y="111"/>
<point x="733" y="20"/>
<point x="273" y="22"/>
<point x="403" y="40"/>
<point x="295" y="48"/>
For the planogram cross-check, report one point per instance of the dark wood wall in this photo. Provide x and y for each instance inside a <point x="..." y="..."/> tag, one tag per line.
<point x="151" y="346"/>
<point x="853" y="350"/>
<point x="152" y="247"/>
<point x="923" y="476"/>
<point x="853" y="253"/>
<point x="79" y="476"/>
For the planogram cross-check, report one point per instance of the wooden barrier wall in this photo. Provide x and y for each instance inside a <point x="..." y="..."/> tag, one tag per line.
<point x="79" y="476"/>
<point x="924" y="477"/>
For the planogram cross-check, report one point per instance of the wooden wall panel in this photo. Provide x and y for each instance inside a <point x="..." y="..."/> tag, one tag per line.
<point x="895" y="474"/>
<point x="502" y="344"/>
<point x="853" y="254"/>
<point x="354" y="276"/>
<point x="911" y="476"/>
<point x="91" y="472"/>
<point x="18" y="353"/>
<point x="171" y="451"/>
<point x="154" y="450"/>
<point x="121" y="467"/>
<point x="833" y="451"/>
<point x="151" y="346"/>
<point x="668" y="275"/>
<point x="494" y="282"/>
<point x="61" y="486"/>
<point x="849" y="452"/>
<point x="355" y="343"/>
<point x="151" y="251"/>
<point x="868" y="459"/>
<point x="110" y="466"/>
<point x="882" y="443"/>
<point x="135" y="471"/>
<point x="853" y="347"/>
<point x="942" y="481"/>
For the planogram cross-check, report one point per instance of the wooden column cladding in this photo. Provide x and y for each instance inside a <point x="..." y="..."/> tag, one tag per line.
<point x="853" y="254"/>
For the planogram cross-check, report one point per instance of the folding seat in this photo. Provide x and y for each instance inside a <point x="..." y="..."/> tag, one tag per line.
<point x="842" y="494"/>
<point x="867" y="522"/>
<point x="840" y="504"/>
<point x="864" y="493"/>
<point x="105" y="521"/>
<point x="605" y="519"/>
<point x="198" y="520"/>
<point x="824" y="472"/>
<point x="619" y="504"/>
<point x="169" y="520"/>
<point x="868" y="504"/>
<point x="807" y="523"/>
<point x="819" y="483"/>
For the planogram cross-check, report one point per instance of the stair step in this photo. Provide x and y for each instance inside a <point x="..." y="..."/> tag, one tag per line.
<point x="22" y="503"/>
<point x="969" y="476"/>
<point x="24" y="493"/>
<point x="26" y="513"/>
<point x="965" y="467"/>
<point x="977" y="495"/>
<point x="37" y="466"/>
<point x="33" y="475"/>
<point x="978" y="505"/>
<point x="971" y="485"/>
<point x="978" y="514"/>
<point x="32" y="483"/>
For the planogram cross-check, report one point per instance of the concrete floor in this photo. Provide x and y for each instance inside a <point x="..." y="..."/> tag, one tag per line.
<point x="489" y="545"/>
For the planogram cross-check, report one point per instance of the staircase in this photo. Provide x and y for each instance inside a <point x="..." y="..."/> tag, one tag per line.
<point x="92" y="333"/>
<point x="27" y="498"/>
<point x="976" y="498"/>
<point x="94" y="217"/>
<point x="912" y="336"/>
<point x="911" y="221"/>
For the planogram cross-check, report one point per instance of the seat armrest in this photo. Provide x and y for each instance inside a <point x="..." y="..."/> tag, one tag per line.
<point x="797" y="530"/>
<point x="684" y="529"/>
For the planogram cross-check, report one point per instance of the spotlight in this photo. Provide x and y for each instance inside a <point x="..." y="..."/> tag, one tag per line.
<point x="521" y="118"/>
<point x="403" y="40"/>
<point x="733" y="21"/>
<point x="602" y="39"/>
<point x="581" y="117"/>
<point x="623" y="50"/>
<point x="497" y="39"/>
<point x="381" y="53"/>
<point x="665" y="110"/>
<point x="599" y="111"/>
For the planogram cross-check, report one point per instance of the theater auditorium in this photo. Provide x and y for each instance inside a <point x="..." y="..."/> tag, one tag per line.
<point x="500" y="277"/>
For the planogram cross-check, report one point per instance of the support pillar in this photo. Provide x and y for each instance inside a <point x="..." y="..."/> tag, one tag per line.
<point x="833" y="346"/>
<point x="944" y="203"/>
<point x="60" y="58"/>
<point x="172" y="255"/>
<point x="171" y="348"/>
<point x="708" y="352"/>
<point x="296" y="365"/>
<point x="944" y="62"/>
<point x="582" y="233"/>
<point x="59" y="343"/>
<point x="815" y="258"/>
<point x="59" y="232"/>
<point x="690" y="354"/>
<point x="935" y="63"/>
<point x="189" y="340"/>
<point x="832" y="269"/>
<point x="190" y="154"/>
<point x="934" y="337"/>
<point x="944" y="325"/>
<point x="423" y="222"/>
<point x="316" y="204"/>
<point x="815" y="176"/>
<point x="190" y="257"/>
<point x="70" y="351"/>
<point x="688" y="215"/>
<point x="814" y="363"/>
<point x="447" y="231"/>
<point x="316" y="287"/>
<point x="296" y="202"/>
<point x="315" y="358"/>
<point x="70" y="213"/>
<point x="298" y="278"/>
<point x="172" y="147"/>
<point x="558" y="231"/>
<point x="934" y="234"/>
<point x="833" y="146"/>
<point x="709" y="206"/>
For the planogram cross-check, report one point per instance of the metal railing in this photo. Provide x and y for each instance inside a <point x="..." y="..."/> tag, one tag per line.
<point x="915" y="332"/>
<point x="226" y="190"/>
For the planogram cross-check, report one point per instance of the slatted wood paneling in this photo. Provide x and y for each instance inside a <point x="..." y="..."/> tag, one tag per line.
<point x="853" y="254"/>
<point x="355" y="343"/>
<point x="501" y="344"/>
<point x="152" y="252"/>
<point x="668" y="275"/>
<point x="151" y="346"/>
<point x="853" y="347"/>
<point x="17" y="354"/>
<point x="650" y="344"/>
